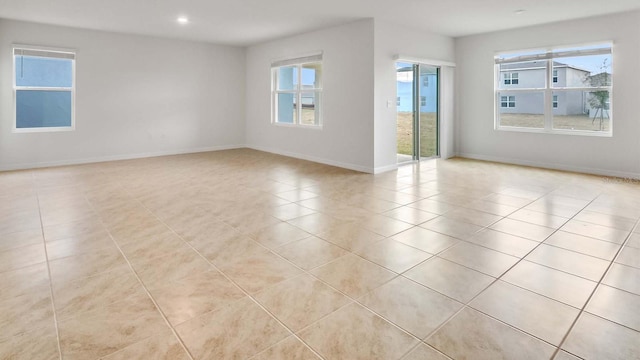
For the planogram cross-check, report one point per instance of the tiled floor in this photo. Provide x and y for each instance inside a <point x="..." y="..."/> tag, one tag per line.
<point x="242" y="254"/>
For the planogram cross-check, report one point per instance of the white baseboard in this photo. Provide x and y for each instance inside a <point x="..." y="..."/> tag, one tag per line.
<point x="383" y="169"/>
<point x="359" y="168"/>
<point x="563" y="167"/>
<point x="35" y="165"/>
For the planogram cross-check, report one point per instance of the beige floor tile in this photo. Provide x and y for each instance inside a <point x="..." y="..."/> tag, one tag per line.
<point x="471" y="216"/>
<point x="237" y="331"/>
<point x="410" y="215"/>
<point x="291" y="211"/>
<point x="24" y="256"/>
<point x="30" y="311"/>
<point x="583" y="244"/>
<point x="148" y="248"/>
<point x="566" y="288"/>
<point x="20" y="221"/>
<point x="596" y="231"/>
<point x="161" y="347"/>
<point x="106" y="330"/>
<point x="596" y="338"/>
<point x="253" y="222"/>
<point x="394" y="255"/>
<point x="634" y="240"/>
<point x="98" y="291"/>
<point x="413" y="307"/>
<point x="134" y="227"/>
<point x="300" y="301"/>
<point x="612" y="221"/>
<point x="476" y="257"/>
<point x="385" y="226"/>
<point x="523" y="229"/>
<point x="315" y="223"/>
<point x="510" y="200"/>
<point x="355" y="333"/>
<point x="629" y="256"/>
<point x="297" y="195"/>
<point x="287" y="349"/>
<point x="75" y="246"/>
<point x="350" y="236"/>
<point x="85" y="265"/>
<point x="563" y="355"/>
<point x="86" y="228"/>
<point x="451" y="227"/>
<point x="259" y="271"/>
<point x="23" y="281"/>
<point x="616" y="305"/>
<point x="425" y="240"/>
<point x="279" y="234"/>
<point x="41" y="344"/>
<point x="311" y="252"/>
<point x="157" y="272"/>
<point x="433" y="206"/>
<point x="539" y="218"/>
<point x="568" y="261"/>
<point x="227" y="248"/>
<point x="537" y="315"/>
<point x="492" y="207"/>
<point x="195" y="295"/>
<point x="424" y="352"/>
<point x="503" y="242"/>
<point x="448" y="278"/>
<point x="557" y="208"/>
<point x="471" y="332"/>
<point x="623" y="277"/>
<point x="20" y="239"/>
<point x="353" y="275"/>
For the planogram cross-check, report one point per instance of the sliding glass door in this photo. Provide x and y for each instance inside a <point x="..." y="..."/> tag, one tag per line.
<point x="418" y="93"/>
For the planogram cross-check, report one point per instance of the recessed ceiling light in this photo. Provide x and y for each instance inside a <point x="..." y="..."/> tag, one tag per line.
<point x="182" y="20"/>
<point x="520" y="12"/>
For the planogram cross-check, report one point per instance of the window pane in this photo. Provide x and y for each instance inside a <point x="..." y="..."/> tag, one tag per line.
<point x="310" y="115"/>
<point x="287" y="109"/>
<point x="37" y="109"/>
<point x="582" y="110"/>
<point x="43" y="72"/>
<point x="311" y="76"/>
<point x="527" y="74"/>
<point x="583" y="71"/>
<point x="287" y="78"/>
<point x="524" y="109"/>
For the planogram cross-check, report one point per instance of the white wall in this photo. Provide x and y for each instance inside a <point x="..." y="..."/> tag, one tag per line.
<point x="135" y="96"/>
<point x="391" y="40"/>
<point x="618" y="155"/>
<point x="346" y="137"/>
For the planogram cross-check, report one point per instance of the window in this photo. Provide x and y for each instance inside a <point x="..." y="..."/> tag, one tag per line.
<point x="423" y="101"/>
<point x="511" y="78"/>
<point x="43" y="89"/>
<point x="425" y="81"/>
<point x="508" y="101"/>
<point x="398" y="101"/>
<point x="578" y="78"/>
<point x="297" y="91"/>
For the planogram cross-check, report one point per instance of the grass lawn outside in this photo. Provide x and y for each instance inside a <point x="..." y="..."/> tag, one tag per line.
<point x="560" y="122"/>
<point x="428" y="131"/>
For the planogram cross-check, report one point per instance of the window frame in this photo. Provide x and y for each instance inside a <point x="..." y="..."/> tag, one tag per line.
<point x="605" y="47"/>
<point x="299" y="91"/>
<point x="16" y="88"/>
<point x="510" y="101"/>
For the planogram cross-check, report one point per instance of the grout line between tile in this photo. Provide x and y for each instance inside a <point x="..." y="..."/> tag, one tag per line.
<point x="46" y="254"/>
<point x="583" y="309"/>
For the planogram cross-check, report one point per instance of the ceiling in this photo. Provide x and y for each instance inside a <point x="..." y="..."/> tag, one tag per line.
<point x="247" y="22"/>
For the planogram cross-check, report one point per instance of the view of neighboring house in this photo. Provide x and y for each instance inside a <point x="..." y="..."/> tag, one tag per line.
<point x="428" y="90"/>
<point x="531" y="74"/>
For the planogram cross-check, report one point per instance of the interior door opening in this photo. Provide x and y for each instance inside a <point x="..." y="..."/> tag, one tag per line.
<point x="418" y="109"/>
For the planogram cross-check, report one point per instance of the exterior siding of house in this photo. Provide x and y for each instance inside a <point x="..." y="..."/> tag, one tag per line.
<point x="430" y="92"/>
